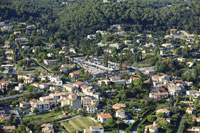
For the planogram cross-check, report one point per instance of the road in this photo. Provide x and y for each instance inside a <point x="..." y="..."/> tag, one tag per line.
<point x="15" y="96"/>
<point x="69" y="119"/>
<point x="134" y="129"/>
<point x="42" y="65"/>
<point x="11" y="97"/>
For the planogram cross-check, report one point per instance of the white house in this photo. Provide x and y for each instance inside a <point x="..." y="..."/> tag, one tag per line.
<point x="120" y="113"/>
<point x="91" y="108"/>
<point x="95" y="129"/>
<point x="103" y="117"/>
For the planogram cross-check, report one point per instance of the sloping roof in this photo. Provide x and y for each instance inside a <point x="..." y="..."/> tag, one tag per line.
<point x="79" y="83"/>
<point x="105" y="116"/>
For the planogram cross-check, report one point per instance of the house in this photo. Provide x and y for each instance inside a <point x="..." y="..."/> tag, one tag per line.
<point x="74" y="74"/>
<point x="187" y="103"/>
<point x="6" y="28"/>
<point x="128" y="50"/>
<point x="194" y="130"/>
<point x="104" y="82"/>
<point x="49" y="62"/>
<point x="119" y="82"/>
<point x="197" y="119"/>
<point x="103" y="117"/>
<point x="193" y="93"/>
<point x="22" y="40"/>
<point x="40" y="106"/>
<point x="151" y="128"/>
<point x="167" y="45"/>
<point x="188" y="83"/>
<point x="174" y="89"/>
<point x="91" y="37"/>
<point x="165" y="111"/>
<point x="30" y="27"/>
<point x="47" y="128"/>
<point x="107" y="51"/>
<point x="88" y="100"/>
<point x="128" y="42"/>
<point x="46" y="98"/>
<point x="8" y="128"/>
<point x="158" y="95"/>
<point x="69" y="87"/>
<point x="118" y="106"/>
<point x="43" y="86"/>
<point x="120" y="114"/>
<point x="115" y="45"/>
<point x="105" y="1"/>
<point x="2" y="112"/>
<point x="56" y="79"/>
<point x="150" y="72"/>
<point x="189" y="110"/>
<point x="17" y="32"/>
<point x="131" y="79"/>
<point x="114" y="78"/>
<point x="101" y="44"/>
<point x="9" y="52"/>
<point x="181" y="59"/>
<point x="91" y="108"/>
<point x="4" y="84"/>
<point x="190" y="64"/>
<point x="71" y="100"/>
<point x="58" y="95"/>
<point x="86" y="89"/>
<point x="52" y="46"/>
<point x="72" y="50"/>
<point x="24" y="104"/>
<point x="63" y="70"/>
<point x="64" y="66"/>
<point x="50" y="55"/>
<point x="94" y="129"/>
<point x="5" y="118"/>
<point x="159" y="119"/>
<point x="19" y="87"/>
<point x="79" y="84"/>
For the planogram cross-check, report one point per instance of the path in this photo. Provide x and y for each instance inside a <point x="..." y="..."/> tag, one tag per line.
<point x="69" y="119"/>
<point x="42" y="65"/>
<point x="11" y="97"/>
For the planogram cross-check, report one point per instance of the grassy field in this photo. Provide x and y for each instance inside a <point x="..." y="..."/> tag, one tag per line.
<point x="44" y="118"/>
<point x="78" y="124"/>
<point x="31" y="70"/>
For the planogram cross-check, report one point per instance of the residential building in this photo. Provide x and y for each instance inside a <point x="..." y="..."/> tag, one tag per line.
<point x="94" y="129"/>
<point x="91" y="108"/>
<point x="151" y="128"/>
<point x="118" y="106"/>
<point x="69" y="87"/>
<point x="194" y="130"/>
<point x="120" y="114"/>
<point x="74" y="74"/>
<point x="71" y="100"/>
<point x="9" y="128"/>
<point x="47" y="128"/>
<point x="103" y="117"/>
<point x="165" y="111"/>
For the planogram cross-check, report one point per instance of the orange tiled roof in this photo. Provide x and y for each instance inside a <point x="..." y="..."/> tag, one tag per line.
<point x="105" y="116"/>
<point x="79" y="83"/>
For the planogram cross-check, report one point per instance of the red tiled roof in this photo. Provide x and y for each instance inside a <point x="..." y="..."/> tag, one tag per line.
<point x="105" y="116"/>
<point x="79" y="83"/>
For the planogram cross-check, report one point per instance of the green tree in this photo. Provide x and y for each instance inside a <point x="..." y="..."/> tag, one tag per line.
<point x="110" y="123"/>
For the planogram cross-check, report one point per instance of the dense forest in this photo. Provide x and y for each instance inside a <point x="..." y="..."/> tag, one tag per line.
<point x="76" y="19"/>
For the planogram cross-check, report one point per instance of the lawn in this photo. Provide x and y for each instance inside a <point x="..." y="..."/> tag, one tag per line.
<point x="78" y="124"/>
<point x="45" y="118"/>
